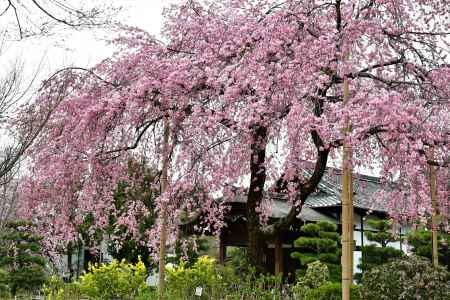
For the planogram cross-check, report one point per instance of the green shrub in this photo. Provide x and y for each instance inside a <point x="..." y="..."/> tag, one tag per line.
<point x="4" y="290"/>
<point x="52" y="287"/>
<point x="238" y="259"/>
<point x="406" y="278"/>
<point x="315" y="285"/>
<point x="115" y="280"/>
<point x="375" y="255"/>
<point x="218" y="282"/>
<point x="182" y="281"/>
<point x="331" y="291"/>
<point x="319" y="241"/>
<point x="421" y="243"/>
<point x="148" y="293"/>
<point x="21" y="257"/>
<point x="316" y="275"/>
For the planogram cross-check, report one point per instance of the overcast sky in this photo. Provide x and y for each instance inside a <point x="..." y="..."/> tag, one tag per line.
<point x="45" y="55"/>
<point x="84" y="48"/>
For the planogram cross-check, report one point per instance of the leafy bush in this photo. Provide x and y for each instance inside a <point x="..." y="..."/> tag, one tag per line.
<point x="316" y="275"/>
<point x="407" y="278"/>
<point x="315" y="285"/>
<point x="331" y="291"/>
<point x="219" y="282"/>
<point x="115" y="280"/>
<point x="182" y="281"/>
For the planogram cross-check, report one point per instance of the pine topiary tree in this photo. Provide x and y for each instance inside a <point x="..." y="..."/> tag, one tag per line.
<point x="21" y="258"/>
<point x="319" y="242"/>
<point x="421" y="243"/>
<point x="374" y="255"/>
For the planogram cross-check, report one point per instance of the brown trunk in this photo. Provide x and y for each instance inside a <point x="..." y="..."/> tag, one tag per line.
<point x="256" y="241"/>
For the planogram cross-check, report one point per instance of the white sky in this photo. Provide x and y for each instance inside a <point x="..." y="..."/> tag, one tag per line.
<point x="84" y="48"/>
<point x="45" y="55"/>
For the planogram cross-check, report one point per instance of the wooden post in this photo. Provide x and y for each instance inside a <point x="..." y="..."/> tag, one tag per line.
<point x="347" y="206"/>
<point x="163" y="233"/>
<point x="222" y="251"/>
<point x="435" y="215"/>
<point x="278" y="257"/>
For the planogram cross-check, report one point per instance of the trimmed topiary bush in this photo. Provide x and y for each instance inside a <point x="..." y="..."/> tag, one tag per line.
<point x="374" y="255"/>
<point x="421" y="243"/>
<point x="407" y="278"/>
<point x="21" y="257"/>
<point x="319" y="242"/>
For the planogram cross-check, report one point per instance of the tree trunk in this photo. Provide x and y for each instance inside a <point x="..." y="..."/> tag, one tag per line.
<point x="256" y="241"/>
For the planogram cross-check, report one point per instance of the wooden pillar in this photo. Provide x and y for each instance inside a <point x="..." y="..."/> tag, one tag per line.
<point x="347" y="206"/>
<point x="362" y="232"/>
<point x="434" y="217"/>
<point x="222" y="251"/>
<point x="163" y="232"/>
<point x="278" y="257"/>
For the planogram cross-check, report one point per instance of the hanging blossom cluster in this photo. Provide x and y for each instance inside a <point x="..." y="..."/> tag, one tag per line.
<point x="252" y="87"/>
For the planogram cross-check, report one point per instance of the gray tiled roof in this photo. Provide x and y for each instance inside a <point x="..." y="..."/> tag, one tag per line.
<point x="328" y="195"/>
<point x="330" y="189"/>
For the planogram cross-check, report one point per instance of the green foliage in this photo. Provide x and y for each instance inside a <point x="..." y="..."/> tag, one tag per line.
<point x="374" y="255"/>
<point x="331" y="291"/>
<point x="315" y="285"/>
<point x="190" y="249"/>
<point x="21" y="258"/>
<point x="56" y="289"/>
<point x="382" y="234"/>
<point x="239" y="259"/>
<point x="408" y="278"/>
<point x="182" y="280"/>
<point x="317" y="274"/>
<point x="319" y="241"/>
<point x="115" y="280"/>
<point x="4" y="290"/>
<point x="218" y="282"/>
<point x="421" y="243"/>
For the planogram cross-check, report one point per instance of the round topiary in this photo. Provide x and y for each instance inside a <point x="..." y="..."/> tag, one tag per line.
<point x="406" y="278"/>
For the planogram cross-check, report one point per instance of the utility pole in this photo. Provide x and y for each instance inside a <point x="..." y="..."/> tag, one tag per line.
<point x="163" y="232"/>
<point x="347" y="205"/>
